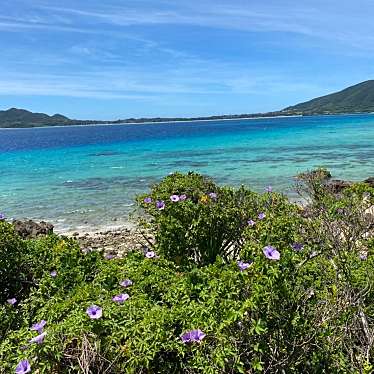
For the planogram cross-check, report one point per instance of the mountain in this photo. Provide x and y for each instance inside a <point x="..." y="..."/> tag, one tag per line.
<point x="17" y="118"/>
<point x="23" y="118"/>
<point x="355" y="99"/>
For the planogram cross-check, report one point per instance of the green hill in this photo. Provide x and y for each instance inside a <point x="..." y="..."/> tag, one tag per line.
<point x="355" y="99"/>
<point x="23" y="118"/>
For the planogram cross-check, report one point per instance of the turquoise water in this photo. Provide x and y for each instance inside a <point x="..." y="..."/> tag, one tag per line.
<point x="86" y="177"/>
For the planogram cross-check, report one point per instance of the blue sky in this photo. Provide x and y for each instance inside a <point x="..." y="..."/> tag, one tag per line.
<point x="132" y="58"/>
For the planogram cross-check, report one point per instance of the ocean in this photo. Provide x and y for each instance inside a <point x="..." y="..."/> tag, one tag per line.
<point x="86" y="177"/>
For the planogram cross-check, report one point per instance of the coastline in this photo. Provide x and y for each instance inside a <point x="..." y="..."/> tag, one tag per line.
<point x="110" y="123"/>
<point x="151" y="122"/>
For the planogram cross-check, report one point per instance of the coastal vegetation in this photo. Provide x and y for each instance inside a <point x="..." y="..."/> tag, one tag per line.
<point x="236" y="282"/>
<point x="20" y="118"/>
<point x="23" y="118"/>
<point x="355" y="99"/>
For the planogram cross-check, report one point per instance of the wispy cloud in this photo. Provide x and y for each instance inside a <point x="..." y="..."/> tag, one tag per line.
<point x="171" y="53"/>
<point x="299" y="18"/>
<point x="136" y="84"/>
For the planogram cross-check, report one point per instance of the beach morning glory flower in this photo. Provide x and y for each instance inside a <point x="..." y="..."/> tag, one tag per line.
<point x="12" y="301"/>
<point x="251" y="222"/>
<point x="261" y="216"/>
<point x="126" y="283"/>
<point x="193" y="336"/>
<point x="23" y="367"/>
<point x="269" y="189"/>
<point x="2" y="217"/>
<point x="109" y="256"/>
<point x="147" y="200"/>
<point x="243" y="265"/>
<point x="183" y="197"/>
<point x="363" y="256"/>
<point x="213" y="195"/>
<point x="150" y="254"/>
<point x="87" y="250"/>
<point x="53" y="273"/>
<point x="94" y="312"/>
<point x="160" y="204"/>
<point x="121" y="298"/>
<point x="39" y="326"/>
<point x="297" y="247"/>
<point x="38" y="339"/>
<point x="174" y="198"/>
<point x="271" y="253"/>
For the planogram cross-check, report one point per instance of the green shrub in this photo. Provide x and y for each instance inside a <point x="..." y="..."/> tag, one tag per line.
<point x="13" y="275"/>
<point x="308" y="310"/>
<point x="276" y="315"/>
<point x="210" y="222"/>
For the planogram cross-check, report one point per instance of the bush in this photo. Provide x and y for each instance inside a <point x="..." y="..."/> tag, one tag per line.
<point x="273" y="316"/>
<point x="204" y="222"/>
<point x="305" y="304"/>
<point x="13" y="276"/>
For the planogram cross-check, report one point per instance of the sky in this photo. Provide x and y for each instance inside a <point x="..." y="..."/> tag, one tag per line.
<point x="110" y="59"/>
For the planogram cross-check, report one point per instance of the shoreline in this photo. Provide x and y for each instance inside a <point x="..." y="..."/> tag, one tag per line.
<point x="114" y="243"/>
<point x="151" y="122"/>
<point x="110" y="123"/>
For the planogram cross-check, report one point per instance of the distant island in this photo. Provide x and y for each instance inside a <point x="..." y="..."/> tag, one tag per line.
<point x="355" y="99"/>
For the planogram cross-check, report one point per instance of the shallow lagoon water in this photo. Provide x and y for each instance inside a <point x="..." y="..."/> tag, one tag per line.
<point x="86" y="177"/>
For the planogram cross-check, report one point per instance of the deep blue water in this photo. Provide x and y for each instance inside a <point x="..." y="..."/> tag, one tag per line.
<point x="83" y="177"/>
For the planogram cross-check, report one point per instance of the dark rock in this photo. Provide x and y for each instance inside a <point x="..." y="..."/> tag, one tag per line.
<point x="31" y="229"/>
<point x="337" y="185"/>
<point x="370" y="181"/>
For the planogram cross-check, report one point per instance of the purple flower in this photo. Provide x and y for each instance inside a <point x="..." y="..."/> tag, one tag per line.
<point x="297" y="247"/>
<point x="269" y="189"/>
<point x="243" y="265"/>
<point x="53" y="273"/>
<point x="121" y="298"/>
<point x="126" y="283"/>
<point x="271" y="253"/>
<point x="94" y="312"/>
<point x="12" y="301"/>
<point x="182" y="197"/>
<point x="39" y="326"/>
<point x="251" y="222"/>
<point x="160" y="204"/>
<point x="109" y="256"/>
<point x="147" y="200"/>
<point x="150" y="254"/>
<point x="193" y="336"/>
<point x="212" y="195"/>
<point x="363" y="256"/>
<point x="23" y="367"/>
<point x="261" y="216"/>
<point x="174" y="198"/>
<point x="87" y="250"/>
<point x="38" y="339"/>
<point x="2" y="217"/>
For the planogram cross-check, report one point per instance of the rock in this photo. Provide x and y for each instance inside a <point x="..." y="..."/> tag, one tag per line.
<point x="31" y="229"/>
<point x="337" y="185"/>
<point x="118" y="242"/>
<point x="370" y="181"/>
